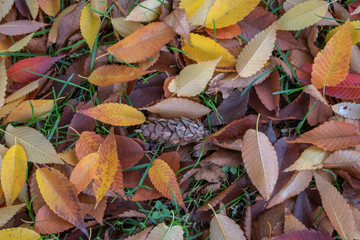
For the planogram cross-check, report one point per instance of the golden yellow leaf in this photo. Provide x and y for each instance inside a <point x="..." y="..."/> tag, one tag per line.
<point x="260" y="161"/>
<point x="146" y="11"/>
<point x="89" y="26"/>
<point x="33" y="6"/>
<point x="223" y="227"/>
<point x="163" y="178"/>
<point x="332" y="64"/>
<point x="303" y="15"/>
<point x="336" y="207"/>
<point x="13" y="171"/>
<point x="256" y="53"/>
<point x="5" y="110"/>
<point x="59" y="194"/>
<point x="69" y="157"/>
<point x="191" y="6"/>
<point x="229" y="12"/>
<point x="5" y="7"/>
<point x="193" y="79"/>
<point x="125" y="28"/>
<point x="115" y="114"/>
<point x="7" y="213"/>
<point x="84" y="172"/>
<point x="19" y="234"/>
<point x="206" y="49"/>
<point x="50" y="7"/>
<point x="20" y="44"/>
<point x="37" y="147"/>
<point x="30" y="109"/>
<point x="310" y="159"/>
<point x="107" y="164"/>
<point x="177" y="108"/>
<point x="354" y="31"/>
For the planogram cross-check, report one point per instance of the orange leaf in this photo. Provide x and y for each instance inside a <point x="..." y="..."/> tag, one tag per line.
<point x="88" y="142"/>
<point x="13" y="171"/>
<point x="59" y="194"/>
<point x="143" y="43"/>
<point x="111" y="74"/>
<point x="336" y="207"/>
<point x="84" y="172"/>
<point x="163" y="178"/>
<point x="332" y="64"/>
<point x="225" y="32"/>
<point x="106" y="166"/>
<point x="50" y="7"/>
<point x="115" y="114"/>
<point x="331" y="136"/>
<point x="118" y="184"/>
<point x="260" y="161"/>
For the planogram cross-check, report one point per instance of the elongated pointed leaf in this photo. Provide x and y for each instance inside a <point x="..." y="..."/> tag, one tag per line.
<point x="20" y="44"/>
<point x="88" y="142"/>
<point x="115" y="114"/>
<point x="50" y="7"/>
<point x="19" y="234"/>
<point x="3" y="82"/>
<point x="193" y="79"/>
<point x="7" y="213"/>
<point x="164" y="180"/>
<point x="20" y="27"/>
<point x="303" y="15"/>
<point x="310" y="159"/>
<point x="256" y="53"/>
<point x="223" y="227"/>
<point x="145" y="11"/>
<point x="332" y="64"/>
<point x="13" y="171"/>
<point x="163" y="232"/>
<point x="89" y="26"/>
<point x="125" y="28"/>
<point x="84" y="172"/>
<point x="336" y="207"/>
<point x="59" y="194"/>
<point x="331" y="136"/>
<point x="348" y="160"/>
<point x="38" y="149"/>
<point x="5" y="7"/>
<point x="47" y="222"/>
<point x="260" y="161"/>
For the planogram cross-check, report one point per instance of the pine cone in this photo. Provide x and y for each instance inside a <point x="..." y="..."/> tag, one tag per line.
<point x="173" y="131"/>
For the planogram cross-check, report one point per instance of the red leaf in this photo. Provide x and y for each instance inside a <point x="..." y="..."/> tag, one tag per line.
<point x="36" y="64"/>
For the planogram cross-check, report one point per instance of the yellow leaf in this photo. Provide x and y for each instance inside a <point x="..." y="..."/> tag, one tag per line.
<point x="163" y="178"/>
<point x="89" y="26"/>
<point x="303" y="15"/>
<point x="260" y="161"/>
<point x="336" y="207"/>
<point x="23" y="91"/>
<point x="7" y="213"/>
<point x="69" y="157"/>
<point x="30" y="109"/>
<point x="5" y="7"/>
<point x="206" y="49"/>
<point x="199" y="17"/>
<point x="115" y="114"/>
<point x="191" y="6"/>
<point x="59" y="194"/>
<point x="125" y="28"/>
<point x="13" y="171"/>
<point x="50" y="7"/>
<point x="107" y="164"/>
<point x="33" y="6"/>
<point x="331" y="64"/>
<point x="19" y="234"/>
<point x="256" y="53"/>
<point x="354" y="31"/>
<point x="229" y="12"/>
<point x="84" y="172"/>
<point x="5" y="110"/>
<point x="146" y="11"/>
<point x="20" y="44"/>
<point x="193" y="79"/>
<point x="310" y="159"/>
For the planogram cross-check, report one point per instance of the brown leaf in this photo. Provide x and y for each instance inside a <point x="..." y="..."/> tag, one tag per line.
<point x="260" y="161"/>
<point x="330" y="136"/>
<point x="305" y="234"/>
<point x="47" y="222"/>
<point x="20" y="27"/>
<point x="292" y="224"/>
<point x="265" y="90"/>
<point x="348" y="160"/>
<point x="88" y="142"/>
<point x="129" y="151"/>
<point x="223" y="227"/>
<point x="178" y="21"/>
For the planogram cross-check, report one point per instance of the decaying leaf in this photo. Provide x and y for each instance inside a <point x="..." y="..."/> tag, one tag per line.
<point x="336" y="207"/>
<point x="347" y="110"/>
<point x="8" y="212"/>
<point x="223" y="227"/>
<point x="260" y="161"/>
<point x="3" y="82"/>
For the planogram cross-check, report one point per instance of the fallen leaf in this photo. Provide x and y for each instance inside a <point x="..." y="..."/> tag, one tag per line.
<point x="33" y="6"/>
<point x="292" y="224"/>
<point x="50" y="7"/>
<point x="256" y="53"/>
<point x="59" y="194"/>
<point x="37" y="147"/>
<point x="355" y="36"/>
<point x="260" y="161"/>
<point x="89" y="26"/>
<point x="99" y="6"/>
<point x="141" y="235"/>
<point x="115" y="114"/>
<point x="164" y="232"/>
<point x="193" y="79"/>
<point x="347" y="110"/>
<point x="145" y="11"/>
<point x="303" y="15"/>
<point x="19" y="233"/>
<point x="225" y="32"/>
<point x="177" y="108"/>
<point x="332" y="64"/>
<point x="23" y="91"/>
<point x="20" y="27"/>
<point x="177" y="20"/>
<point x="336" y="207"/>
<point x="125" y="28"/>
<point x="348" y="160"/>
<point x="111" y="74"/>
<point x="20" y="44"/>
<point x="206" y="49"/>
<point x="53" y="33"/>
<point x="8" y="212"/>
<point x="84" y="172"/>
<point x="142" y="43"/>
<point x="88" y="142"/>
<point x="223" y="227"/>
<point x="47" y="222"/>
<point x="304" y="234"/>
<point x="331" y="136"/>
<point x="164" y="180"/>
<point x="3" y="82"/>
<point x="5" y="7"/>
